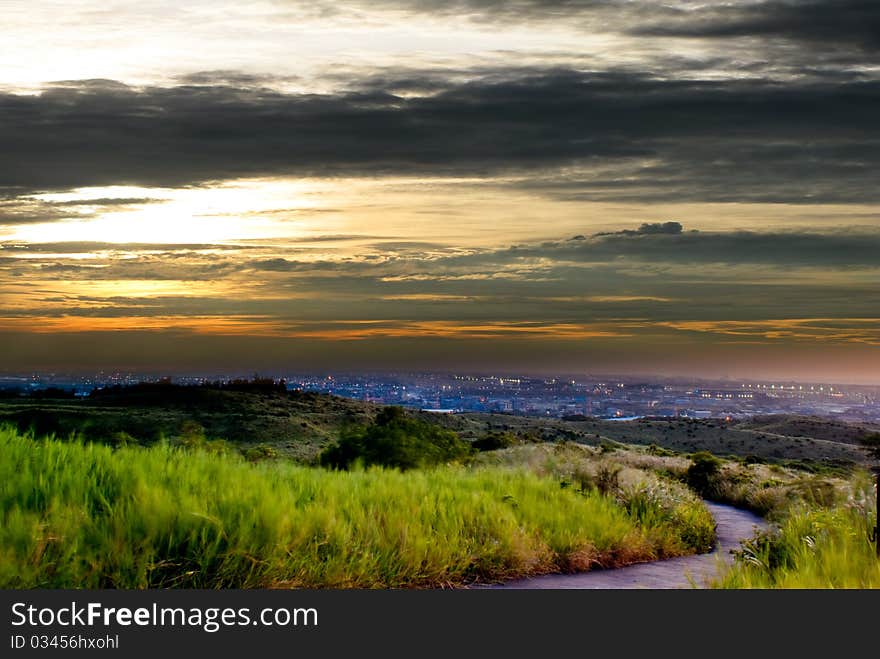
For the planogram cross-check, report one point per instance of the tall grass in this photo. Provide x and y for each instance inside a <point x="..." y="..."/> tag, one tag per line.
<point x="78" y="515"/>
<point x="672" y="515"/>
<point x="773" y="491"/>
<point x="814" y="547"/>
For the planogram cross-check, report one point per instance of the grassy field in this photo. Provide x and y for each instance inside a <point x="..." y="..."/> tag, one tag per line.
<point x="821" y="521"/>
<point x="79" y="515"/>
<point x="815" y="547"/>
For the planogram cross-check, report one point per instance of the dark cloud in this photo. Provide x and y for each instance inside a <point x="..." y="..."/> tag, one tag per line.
<point x="91" y="85"/>
<point x="840" y="24"/>
<point x="669" y="243"/>
<point x="829" y="24"/>
<point x="779" y="249"/>
<point x="31" y="214"/>
<point x="277" y="265"/>
<point x="814" y="170"/>
<point x="605" y="15"/>
<point x="233" y="78"/>
<point x="26" y="210"/>
<point x="715" y="134"/>
<point x="647" y="229"/>
<point x="487" y="271"/>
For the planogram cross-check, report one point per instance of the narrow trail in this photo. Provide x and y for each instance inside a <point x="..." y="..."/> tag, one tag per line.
<point x="733" y="526"/>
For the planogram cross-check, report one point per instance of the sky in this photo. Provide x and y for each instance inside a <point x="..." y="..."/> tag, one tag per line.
<point x="579" y="186"/>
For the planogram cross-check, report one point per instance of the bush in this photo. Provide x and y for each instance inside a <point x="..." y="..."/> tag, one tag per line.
<point x="702" y="475"/>
<point x="872" y="443"/>
<point x="653" y="449"/>
<point x="192" y="434"/>
<point x="585" y="481"/>
<point x="494" y="441"/>
<point x="193" y="438"/>
<point x="259" y="452"/>
<point x="395" y="440"/>
<point x="608" y="478"/>
<point x="607" y="446"/>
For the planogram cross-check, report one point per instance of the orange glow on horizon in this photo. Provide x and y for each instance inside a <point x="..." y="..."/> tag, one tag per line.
<point x="340" y="330"/>
<point x="826" y="330"/>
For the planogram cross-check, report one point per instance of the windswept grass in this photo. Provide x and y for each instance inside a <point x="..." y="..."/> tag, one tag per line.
<point x="80" y="515"/>
<point x="667" y="511"/>
<point x="773" y="491"/>
<point x="814" y="547"/>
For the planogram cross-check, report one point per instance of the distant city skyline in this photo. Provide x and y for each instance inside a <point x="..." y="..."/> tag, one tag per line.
<point x="125" y="378"/>
<point x="677" y="189"/>
<point x="559" y="396"/>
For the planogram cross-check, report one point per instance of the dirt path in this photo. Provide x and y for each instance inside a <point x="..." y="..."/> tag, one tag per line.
<point x="733" y="525"/>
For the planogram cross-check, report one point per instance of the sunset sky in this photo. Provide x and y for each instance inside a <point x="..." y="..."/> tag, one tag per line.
<point x="577" y="186"/>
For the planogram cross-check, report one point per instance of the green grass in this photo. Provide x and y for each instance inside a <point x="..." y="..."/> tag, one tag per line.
<point x="670" y="513"/>
<point x="774" y="491"/>
<point x="77" y="515"/>
<point x="814" y="547"/>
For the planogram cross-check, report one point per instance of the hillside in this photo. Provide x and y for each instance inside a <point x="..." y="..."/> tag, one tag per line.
<point x="298" y="424"/>
<point x="686" y="435"/>
<point x="810" y="426"/>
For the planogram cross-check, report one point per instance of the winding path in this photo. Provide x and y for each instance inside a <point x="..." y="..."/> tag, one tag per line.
<point x="733" y="525"/>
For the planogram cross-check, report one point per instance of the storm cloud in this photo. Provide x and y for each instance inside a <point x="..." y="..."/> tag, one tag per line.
<point x="718" y="133"/>
<point x="842" y="24"/>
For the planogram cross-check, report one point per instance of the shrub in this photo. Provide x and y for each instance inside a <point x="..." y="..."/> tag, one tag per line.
<point x="608" y="478"/>
<point x="872" y="443"/>
<point x="493" y="441"/>
<point x="193" y="438"/>
<point x="702" y="475"/>
<point x="585" y="480"/>
<point x="395" y="440"/>
<point x="259" y="452"/>
<point x="607" y="446"/>
<point x="653" y="449"/>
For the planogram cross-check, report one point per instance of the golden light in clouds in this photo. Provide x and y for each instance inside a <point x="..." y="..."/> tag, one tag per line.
<point x="196" y="215"/>
<point x="829" y="330"/>
<point x="344" y="330"/>
<point x="461" y="212"/>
